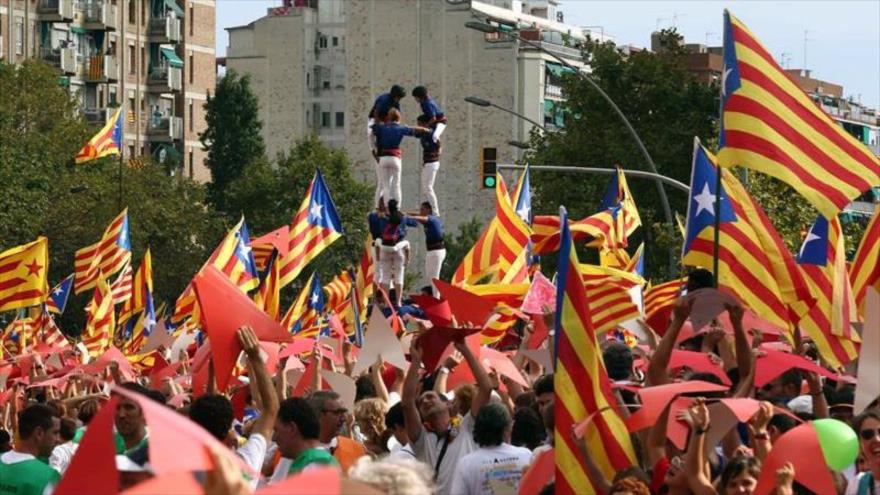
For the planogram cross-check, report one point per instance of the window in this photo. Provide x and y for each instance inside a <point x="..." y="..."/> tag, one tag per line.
<point x="131" y="60"/>
<point x="192" y="66"/>
<point x="308" y="79"/>
<point x="131" y="107"/>
<point x="19" y="36"/>
<point x="325" y="119"/>
<point x="130" y="150"/>
<point x="335" y="41"/>
<point x="190" y="20"/>
<point x="190" y="114"/>
<point x="322" y="41"/>
<point x="340" y="119"/>
<point x="143" y="12"/>
<point x="111" y="100"/>
<point x="325" y="84"/>
<point x="191" y="162"/>
<point x="143" y="60"/>
<point x="131" y="12"/>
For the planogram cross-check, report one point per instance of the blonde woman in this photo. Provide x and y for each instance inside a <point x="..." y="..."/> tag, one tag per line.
<point x="369" y="414"/>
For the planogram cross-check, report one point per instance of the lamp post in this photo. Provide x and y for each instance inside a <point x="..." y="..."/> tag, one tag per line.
<point x="480" y="102"/>
<point x="667" y="211"/>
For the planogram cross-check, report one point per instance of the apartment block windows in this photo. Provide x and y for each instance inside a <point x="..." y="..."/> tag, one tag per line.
<point x="131" y="61"/>
<point x="325" y="119"/>
<point x="190" y="114"/>
<point x="190" y="22"/>
<point x="131" y="107"/>
<point x="191" y="68"/>
<point x="143" y="60"/>
<point x="191" y="162"/>
<point x="322" y="41"/>
<point x="132" y="13"/>
<point x="340" y="119"/>
<point x="336" y="41"/>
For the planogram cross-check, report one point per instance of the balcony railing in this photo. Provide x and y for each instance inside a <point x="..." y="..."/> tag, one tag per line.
<point x="56" y="10"/>
<point x="552" y="91"/>
<point x="98" y="15"/>
<point x="61" y="58"/>
<point x="165" y="127"/>
<point x="97" y="116"/>
<point x="165" y="79"/>
<point x="166" y="28"/>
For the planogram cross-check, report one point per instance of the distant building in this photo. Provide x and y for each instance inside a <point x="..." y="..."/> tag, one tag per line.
<point x="155" y="57"/>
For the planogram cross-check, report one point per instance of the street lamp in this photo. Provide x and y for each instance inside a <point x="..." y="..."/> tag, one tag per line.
<point x="485" y="27"/>
<point x="519" y="144"/>
<point x="480" y="102"/>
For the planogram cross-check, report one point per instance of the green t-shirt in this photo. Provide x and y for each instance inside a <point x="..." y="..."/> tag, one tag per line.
<point x="23" y="474"/>
<point x="117" y="440"/>
<point x="309" y="457"/>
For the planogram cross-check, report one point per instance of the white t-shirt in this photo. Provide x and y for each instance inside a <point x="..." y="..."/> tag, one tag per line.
<point x="852" y="488"/>
<point x="61" y="456"/>
<point x="253" y="452"/>
<point x="491" y="470"/>
<point x="427" y="449"/>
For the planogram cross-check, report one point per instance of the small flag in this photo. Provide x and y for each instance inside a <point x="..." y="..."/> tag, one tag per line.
<point x="57" y="300"/>
<point x="107" y="142"/>
<point x="23" y="275"/>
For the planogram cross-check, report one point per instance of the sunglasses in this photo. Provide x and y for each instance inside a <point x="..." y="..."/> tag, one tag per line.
<point x="869" y="434"/>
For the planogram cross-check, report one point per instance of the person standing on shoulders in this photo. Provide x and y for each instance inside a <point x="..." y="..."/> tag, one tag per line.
<point x="436" y="248"/>
<point x="394" y="252"/>
<point x="430" y="164"/>
<point x="389" y="167"/>
<point x="436" y="119"/>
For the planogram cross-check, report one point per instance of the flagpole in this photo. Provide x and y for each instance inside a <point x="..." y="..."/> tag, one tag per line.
<point x="716" y="244"/>
<point x="119" y="195"/>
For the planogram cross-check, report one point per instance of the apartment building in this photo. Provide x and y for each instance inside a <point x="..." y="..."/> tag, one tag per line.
<point x="154" y="57"/>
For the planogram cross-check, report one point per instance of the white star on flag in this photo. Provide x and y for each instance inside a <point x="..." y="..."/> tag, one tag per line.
<point x="523" y="212"/>
<point x="725" y="75"/>
<point x="810" y="237"/>
<point x="316" y="211"/>
<point x="705" y="201"/>
<point x="315" y="299"/>
<point x="57" y="291"/>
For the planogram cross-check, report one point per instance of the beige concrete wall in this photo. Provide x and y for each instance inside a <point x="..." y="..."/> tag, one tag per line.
<point x="277" y="74"/>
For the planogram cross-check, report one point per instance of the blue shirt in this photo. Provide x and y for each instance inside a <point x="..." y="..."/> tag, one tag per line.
<point x="383" y="104"/>
<point x="376" y="223"/>
<point x="433" y="228"/>
<point x="389" y="136"/>
<point x="430" y="109"/>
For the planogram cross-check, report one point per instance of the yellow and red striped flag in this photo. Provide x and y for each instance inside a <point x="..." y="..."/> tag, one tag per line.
<point x="828" y="321"/>
<point x="481" y="260"/>
<point x="769" y="124"/>
<point x="315" y="226"/>
<point x="596" y="229"/>
<point x="609" y="293"/>
<point x="582" y="386"/>
<point x="364" y="277"/>
<point x="659" y="300"/>
<point x="47" y="330"/>
<point x="753" y="262"/>
<point x="107" y="142"/>
<point x="295" y="311"/>
<point x="268" y="297"/>
<point x="618" y="195"/>
<point x="105" y="257"/>
<point x="121" y="288"/>
<point x="865" y="269"/>
<point x="100" y="319"/>
<point x="337" y="291"/>
<point x="24" y="275"/>
<point x="142" y="284"/>
<point x="513" y="233"/>
<point x="17" y="337"/>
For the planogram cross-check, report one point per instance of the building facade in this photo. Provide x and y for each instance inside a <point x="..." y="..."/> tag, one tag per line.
<point x="153" y="57"/>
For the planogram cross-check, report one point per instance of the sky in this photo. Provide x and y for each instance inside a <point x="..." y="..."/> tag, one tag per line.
<point x="843" y="36"/>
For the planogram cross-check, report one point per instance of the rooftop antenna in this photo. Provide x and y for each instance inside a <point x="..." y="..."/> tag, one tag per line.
<point x="785" y="60"/>
<point x="806" y="39"/>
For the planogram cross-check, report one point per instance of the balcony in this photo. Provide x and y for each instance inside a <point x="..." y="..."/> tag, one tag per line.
<point x="165" y="128"/>
<point x="100" y="68"/>
<point x="165" y="79"/>
<point x="97" y="116"/>
<point x="99" y="15"/>
<point x="64" y="59"/>
<point x="55" y="10"/>
<point x="165" y="29"/>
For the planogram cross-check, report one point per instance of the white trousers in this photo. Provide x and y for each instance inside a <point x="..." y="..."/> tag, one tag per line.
<point x="433" y="263"/>
<point x="429" y="174"/>
<point x="393" y="262"/>
<point x="438" y="131"/>
<point x="388" y="171"/>
<point x="377" y="265"/>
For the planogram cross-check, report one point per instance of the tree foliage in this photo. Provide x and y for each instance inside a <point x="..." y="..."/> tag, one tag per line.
<point x="232" y="136"/>
<point x="665" y="104"/>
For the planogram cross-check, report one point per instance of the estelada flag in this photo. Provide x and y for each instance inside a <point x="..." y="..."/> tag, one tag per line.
<point x="23" y="271"/>
<point x="107" y="142"/>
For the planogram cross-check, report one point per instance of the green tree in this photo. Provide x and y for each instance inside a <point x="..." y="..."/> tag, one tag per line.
<point x="40" y="132"/>
<point x="232" y="137"/>
<point x="666" y="105"/>
<point x="269" y="196"/>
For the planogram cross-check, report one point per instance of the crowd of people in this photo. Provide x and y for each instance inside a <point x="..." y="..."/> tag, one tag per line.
<point x="463" y="423"/>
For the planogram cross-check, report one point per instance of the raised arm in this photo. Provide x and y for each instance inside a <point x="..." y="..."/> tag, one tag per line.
<point x="741" y="343"/>
<point x="695" y="463"/>
<point x="660" y="359"/>
<point x="262" y="382"/>
<point x="411" y="417"/>
<point x="484" y="383"/>
<point x="378" y="382"/>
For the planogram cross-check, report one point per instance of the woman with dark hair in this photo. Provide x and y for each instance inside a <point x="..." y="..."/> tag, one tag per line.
<point x="740" y="476"/>
<point x="867" y="426"/>
<point x="394" y="251"/>
<point x="496" y="460"/>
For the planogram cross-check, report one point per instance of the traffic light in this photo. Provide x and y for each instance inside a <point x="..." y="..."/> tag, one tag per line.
<point x="488" y="166"/>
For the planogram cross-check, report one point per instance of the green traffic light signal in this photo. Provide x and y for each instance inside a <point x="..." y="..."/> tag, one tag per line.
<point x="489" y="181"/>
